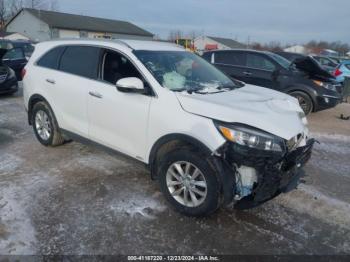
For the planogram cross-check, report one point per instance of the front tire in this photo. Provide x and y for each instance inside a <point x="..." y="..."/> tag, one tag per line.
<point x="189" y="183"/>
<point x="45" y="125"/>
<point x="304" y="100"/>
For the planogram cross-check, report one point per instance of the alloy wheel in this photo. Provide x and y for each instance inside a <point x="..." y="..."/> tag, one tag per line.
<point x="186" y="184"/>
<point x="42" y="125"/>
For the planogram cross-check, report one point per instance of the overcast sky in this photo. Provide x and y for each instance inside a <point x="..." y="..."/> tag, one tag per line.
<point x="286" y="21"/>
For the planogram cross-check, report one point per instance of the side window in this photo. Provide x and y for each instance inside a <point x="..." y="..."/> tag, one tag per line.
<point x="81" y="61"/>
<point x="28" y="50"/>
<point x="116" y="66"/>
<point x="51" y="58"/>
<point x="13" y="54"/>
<point x="207" y="56"/>
<point x="259" y="62"/>
<point x="230" y="58"/>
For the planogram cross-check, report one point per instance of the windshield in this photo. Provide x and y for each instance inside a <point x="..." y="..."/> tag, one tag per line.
<point x="281" y="60"/>
<point x="180" y="70"/>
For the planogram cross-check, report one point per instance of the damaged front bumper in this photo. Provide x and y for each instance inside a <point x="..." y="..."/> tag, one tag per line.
<point x="264" y="174"/>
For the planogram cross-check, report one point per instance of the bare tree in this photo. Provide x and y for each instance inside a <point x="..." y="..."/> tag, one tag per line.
<point x="14" y="6"/>
<point x="3" y="15"/>
<point x="54" y="6"/>
<point x="175" y="34"/>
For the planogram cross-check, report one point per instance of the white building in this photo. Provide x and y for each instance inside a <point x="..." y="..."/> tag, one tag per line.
<point x="297" y="49"/>
<point x="41" y="25"/>
<point x="13" y="36"/>
<point x="205" y="43"/>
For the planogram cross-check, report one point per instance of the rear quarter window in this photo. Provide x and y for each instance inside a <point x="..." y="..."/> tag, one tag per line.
<point x="81" y="61"/>
<point x="51" y="58"/>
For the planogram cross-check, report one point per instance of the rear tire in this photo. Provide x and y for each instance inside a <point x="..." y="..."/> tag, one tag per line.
<point x="45" y="125"/>
<point x="305" y="101"/>
<point x="196" y="191"/>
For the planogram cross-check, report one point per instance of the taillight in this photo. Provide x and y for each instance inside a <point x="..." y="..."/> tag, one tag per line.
<point x="337" y="72"/>
<point x="23" y="73"/>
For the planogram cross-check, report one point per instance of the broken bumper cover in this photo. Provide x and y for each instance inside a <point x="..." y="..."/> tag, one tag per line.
<point x="276" y="173"/>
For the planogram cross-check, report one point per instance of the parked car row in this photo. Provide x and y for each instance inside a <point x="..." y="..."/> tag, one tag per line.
<point x="14" y="55"/>
<point x="339" y="68"/>
<point x="342" y="71"/>
<point x="315" y="88"/>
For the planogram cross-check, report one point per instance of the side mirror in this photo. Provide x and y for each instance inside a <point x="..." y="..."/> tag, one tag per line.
<point x="130" y="85"/>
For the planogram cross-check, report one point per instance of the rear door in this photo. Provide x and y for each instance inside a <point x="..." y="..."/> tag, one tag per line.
<point x="15" y="59"/>
<point x="69" y="85"/>
<point x="260" y="70"/>
<point x="231" y="62"/>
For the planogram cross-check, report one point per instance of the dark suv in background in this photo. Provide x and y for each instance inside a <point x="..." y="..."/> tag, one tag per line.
<point x="315" y="88"/>
<point x="17" y="55"/>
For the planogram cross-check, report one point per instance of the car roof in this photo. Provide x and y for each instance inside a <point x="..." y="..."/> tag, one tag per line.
<point x="238" y="50"/>
<point x="131" y="44"/>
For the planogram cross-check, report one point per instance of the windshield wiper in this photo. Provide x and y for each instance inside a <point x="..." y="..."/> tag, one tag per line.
<point x="230" y="87"/>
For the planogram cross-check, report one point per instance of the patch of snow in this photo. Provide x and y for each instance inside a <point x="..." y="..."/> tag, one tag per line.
<point x="328" y="136"/>
<point x="16" y="201"/>
<point x="336" y="148"/>
<point x="101" y="163"/>
<point x="9" y="163"/>
<point x="20" y="234"/>
<point x="138" y="205"/>
<point x="309" y="200"/>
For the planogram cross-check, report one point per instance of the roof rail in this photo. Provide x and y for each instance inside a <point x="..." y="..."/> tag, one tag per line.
<point x="91" y="39"/>
<point x="121" y="42"/>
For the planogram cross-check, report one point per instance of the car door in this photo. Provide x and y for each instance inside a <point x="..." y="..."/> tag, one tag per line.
<point x="15" y="59"/>
<point x="117" y="119"/>
<point x="230" y="62"/>
<point x="260" y="71"/>
<point x="68" y="86"/>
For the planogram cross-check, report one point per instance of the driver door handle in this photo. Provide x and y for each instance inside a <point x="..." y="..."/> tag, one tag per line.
<point x="51" y="81"/>
<point x="95" y="94"/>
<point x="247" y="73"/>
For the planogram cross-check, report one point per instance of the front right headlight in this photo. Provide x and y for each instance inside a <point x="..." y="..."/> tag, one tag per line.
<point x="251" y="137"/>
<point x="325" y="85"/>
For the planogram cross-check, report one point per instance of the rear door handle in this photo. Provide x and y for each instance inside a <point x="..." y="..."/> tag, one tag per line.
<point x="51" y="81"/>
<point x="95" y="94"/>
<point x="247" y="73"/>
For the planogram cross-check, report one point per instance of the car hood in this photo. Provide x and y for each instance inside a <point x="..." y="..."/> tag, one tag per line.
<point x="266" y="109"/>
<point x="312" y="68"/>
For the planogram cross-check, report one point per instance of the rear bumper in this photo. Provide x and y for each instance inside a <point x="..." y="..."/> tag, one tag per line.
<point x="9" y="86"/>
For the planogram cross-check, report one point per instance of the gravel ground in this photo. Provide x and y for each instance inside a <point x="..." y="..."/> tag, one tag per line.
<point x="75" y="199"/>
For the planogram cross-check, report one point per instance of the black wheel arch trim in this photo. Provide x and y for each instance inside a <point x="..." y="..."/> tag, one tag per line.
<point x="311" y="92"/>
<point x="31" y="105"/>
<point x="225" y="175"/>
<point x="303" y="88"/>
<point x="174" y="137"/>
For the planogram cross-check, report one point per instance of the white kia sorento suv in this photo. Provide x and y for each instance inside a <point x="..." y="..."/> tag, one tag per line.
<point x="209" y="140"/>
